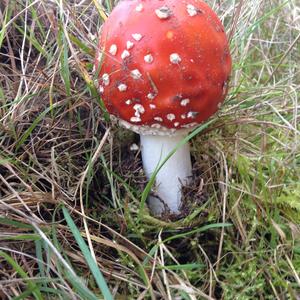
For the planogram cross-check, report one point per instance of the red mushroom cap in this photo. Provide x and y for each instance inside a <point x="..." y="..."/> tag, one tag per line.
<point x="162" y="65"/>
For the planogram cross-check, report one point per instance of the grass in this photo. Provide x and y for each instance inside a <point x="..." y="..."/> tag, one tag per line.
<point x="71" y="224"/>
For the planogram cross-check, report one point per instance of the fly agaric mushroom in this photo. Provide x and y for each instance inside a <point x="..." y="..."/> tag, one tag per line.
<point x="163" y="68"/>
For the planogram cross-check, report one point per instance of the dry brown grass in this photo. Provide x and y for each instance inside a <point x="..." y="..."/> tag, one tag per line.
<point x="57" y="149"/>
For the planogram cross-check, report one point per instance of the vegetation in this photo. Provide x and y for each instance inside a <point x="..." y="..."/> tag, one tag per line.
<point x="71" y="221"/>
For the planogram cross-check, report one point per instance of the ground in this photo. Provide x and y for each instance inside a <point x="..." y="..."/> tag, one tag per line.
<point x="71" y="221"/>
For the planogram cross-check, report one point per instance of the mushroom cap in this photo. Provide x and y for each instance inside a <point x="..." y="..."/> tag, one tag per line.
<point x="162" y="66"/>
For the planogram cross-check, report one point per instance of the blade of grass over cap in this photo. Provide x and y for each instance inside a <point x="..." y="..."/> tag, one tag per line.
<point x="149" y="185"/>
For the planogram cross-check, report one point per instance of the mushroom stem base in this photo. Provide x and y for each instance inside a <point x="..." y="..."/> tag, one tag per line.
<point x="170" y="178"/>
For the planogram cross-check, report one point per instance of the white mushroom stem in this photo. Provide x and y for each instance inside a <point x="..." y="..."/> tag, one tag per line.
<point x="174" y="173"/>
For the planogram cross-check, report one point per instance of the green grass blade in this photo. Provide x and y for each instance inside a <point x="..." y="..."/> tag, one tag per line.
<point x="7" y="16"/>
<point x="64" y="62"/>
<point x="24" y="295"/>
<point x="197" y="230"/>
<point x="109" y="5"/>
<point x="182" y="267"/>
<point x="30" y="284"/>
<point x="21" y="237"/>
<point x="5" y="161"/>
<point x="33" y="41"/>
<point x="82" y="46"/>
<point x="264" y="18"/>
<point x="82" y="290"/>
<point x="2" y="97"/>
<point x="39" y="255"/>
<point x="88" y="257"/>
<point x="6" y="221"/>
<point x="35" y="16"/>
<point x="152" y="179"/>
<point x="32" y="127"/>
